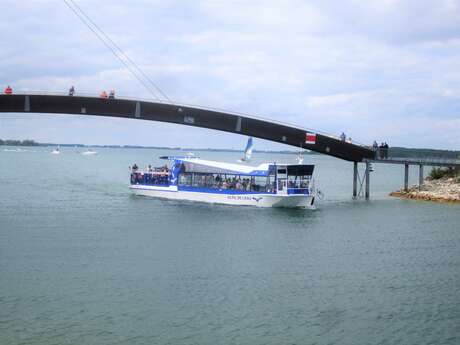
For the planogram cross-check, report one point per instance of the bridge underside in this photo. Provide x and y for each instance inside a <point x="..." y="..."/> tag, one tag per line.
<point x="184" y="115"/>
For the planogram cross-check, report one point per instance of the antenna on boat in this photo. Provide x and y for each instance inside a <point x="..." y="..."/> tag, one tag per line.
<point x="299" y="157"/>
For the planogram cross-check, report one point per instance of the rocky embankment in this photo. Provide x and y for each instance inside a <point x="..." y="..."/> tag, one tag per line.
<point x="441" y="190"/>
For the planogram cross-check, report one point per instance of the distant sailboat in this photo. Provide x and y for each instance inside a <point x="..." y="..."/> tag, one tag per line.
<point x="247" y="151"/>
<point x="56" y="151"/>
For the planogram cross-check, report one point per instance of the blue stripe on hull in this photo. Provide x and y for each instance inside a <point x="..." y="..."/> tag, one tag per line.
<point x="200" y="190"/>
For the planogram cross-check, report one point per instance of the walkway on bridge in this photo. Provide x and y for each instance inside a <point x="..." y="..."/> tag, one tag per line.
<point x="186" y="115"/>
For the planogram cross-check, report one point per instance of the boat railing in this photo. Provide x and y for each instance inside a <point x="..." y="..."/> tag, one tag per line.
<point x="150" y="177"/>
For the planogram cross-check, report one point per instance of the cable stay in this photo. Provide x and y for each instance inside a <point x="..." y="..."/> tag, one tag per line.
<point x="117" y="51"/>
<point x="361" y="183"/>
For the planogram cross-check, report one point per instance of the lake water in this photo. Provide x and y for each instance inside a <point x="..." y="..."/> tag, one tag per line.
<point x="82" y="261"/>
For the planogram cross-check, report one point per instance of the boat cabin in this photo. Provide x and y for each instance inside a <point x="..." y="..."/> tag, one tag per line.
<point x="198" y="175"/>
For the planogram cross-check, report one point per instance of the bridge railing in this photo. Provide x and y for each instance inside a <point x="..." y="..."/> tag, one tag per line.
<point x="140" y="99"/>
<point x="420" y="160"/>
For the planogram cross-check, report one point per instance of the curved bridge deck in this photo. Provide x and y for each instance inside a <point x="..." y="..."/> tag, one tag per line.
<point x="184" y="115"/>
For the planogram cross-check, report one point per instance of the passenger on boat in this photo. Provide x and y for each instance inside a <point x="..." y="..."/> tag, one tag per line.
<point x="8" y="90"/>
<point x="135" y="167"/>
<point x="150" y="168"/>
<point x="112" y="94"/>
<point x="103" y="94"/>
<point x="71" y="91"/>
<point x="238" y="185"/>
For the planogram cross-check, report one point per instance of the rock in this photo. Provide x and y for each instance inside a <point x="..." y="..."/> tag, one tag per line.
<point x="442" y="190"/>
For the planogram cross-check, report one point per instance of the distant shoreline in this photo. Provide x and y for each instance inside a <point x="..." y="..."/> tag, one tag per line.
<point x="393" y="151"/>
<point x="31" y="143"/>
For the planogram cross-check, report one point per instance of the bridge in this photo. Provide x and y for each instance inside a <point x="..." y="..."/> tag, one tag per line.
<point x="185" y="115"/>
<point x="216" y="120"/>
<point x="421" y="162"/>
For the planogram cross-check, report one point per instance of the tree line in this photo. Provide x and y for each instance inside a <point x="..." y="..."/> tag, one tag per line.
<point x="11" y="142"/>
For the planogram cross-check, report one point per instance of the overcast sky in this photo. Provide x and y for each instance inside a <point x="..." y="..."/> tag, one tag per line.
<point x="386" y="70"/>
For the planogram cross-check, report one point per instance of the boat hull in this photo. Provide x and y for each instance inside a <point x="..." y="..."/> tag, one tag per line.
<point x="246" y="199"/>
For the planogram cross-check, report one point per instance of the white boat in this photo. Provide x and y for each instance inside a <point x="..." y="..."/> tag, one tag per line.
<point x="194" y="179"/>
<point x="89" y="152"/>
<point x="56" y="151"/>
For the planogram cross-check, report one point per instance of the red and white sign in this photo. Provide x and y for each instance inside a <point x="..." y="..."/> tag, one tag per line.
<point x="310" y="138"/>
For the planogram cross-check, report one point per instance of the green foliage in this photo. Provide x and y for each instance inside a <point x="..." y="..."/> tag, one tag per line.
<point x="403" y="152"/>
<point x="437" y="173"/>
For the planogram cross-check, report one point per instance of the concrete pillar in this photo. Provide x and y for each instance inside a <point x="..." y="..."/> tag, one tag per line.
<point x="355" y="179"/>
<point x="368" y="179"/>
<point x="406" y="177"/>
<point x="420" y="175"/>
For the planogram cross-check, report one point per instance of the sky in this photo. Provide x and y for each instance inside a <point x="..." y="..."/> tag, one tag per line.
<point x="383" y="70"/>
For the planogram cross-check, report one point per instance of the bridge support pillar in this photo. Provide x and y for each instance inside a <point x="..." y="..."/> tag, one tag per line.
<point x="355" y="179"/>
<point x="368" y="179"/>
<point x="406" y="177"/>
<point x="420" y="175"/>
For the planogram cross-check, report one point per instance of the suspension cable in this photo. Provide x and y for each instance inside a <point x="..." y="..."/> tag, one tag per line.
<point x="98" y="32"/>
<point x="361" y="183"/>
<point x="136" y="66"/>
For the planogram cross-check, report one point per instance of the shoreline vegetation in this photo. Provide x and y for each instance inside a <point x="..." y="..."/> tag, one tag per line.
<point x="400" y="152"/>
<point x="442" y="185"/>
<point x="28" y="143"/>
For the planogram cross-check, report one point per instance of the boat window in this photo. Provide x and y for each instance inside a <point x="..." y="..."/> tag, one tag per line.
<point x="281" y="171"/>
<point x="227" y="181"/>
<point x="185" y="179"/>
<point x="295" y="181"/>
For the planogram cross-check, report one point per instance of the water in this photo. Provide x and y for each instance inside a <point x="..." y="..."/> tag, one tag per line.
<point x="84" y="262"/>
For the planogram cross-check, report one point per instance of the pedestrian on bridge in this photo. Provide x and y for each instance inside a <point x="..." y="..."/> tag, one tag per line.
<point x="381" y="151"/>
<point x="375" y="147"/>
<point x="8" y="90"/>
<point x="385" y="150"/>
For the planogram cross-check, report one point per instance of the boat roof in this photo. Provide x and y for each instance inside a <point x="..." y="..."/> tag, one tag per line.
<point x="198" y="165"/>
<point x="195" y="164"/>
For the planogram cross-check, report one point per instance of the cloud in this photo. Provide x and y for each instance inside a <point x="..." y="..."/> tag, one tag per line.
<point x="375" y="69"/>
